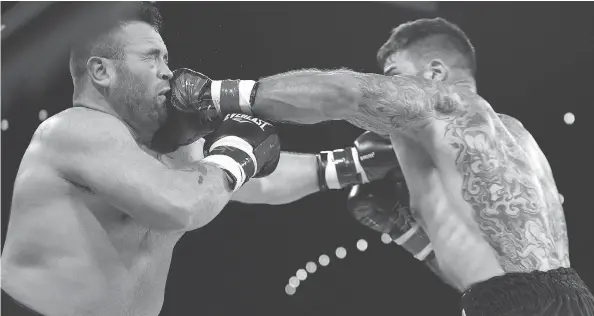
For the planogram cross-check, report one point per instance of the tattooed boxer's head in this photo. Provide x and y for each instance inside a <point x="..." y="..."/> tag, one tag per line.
<point x="432" y="48"/>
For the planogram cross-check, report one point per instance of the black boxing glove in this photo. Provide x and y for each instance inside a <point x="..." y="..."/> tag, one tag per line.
<point x="195" y="92"/>
<point x="384" y="207"/>
<point x="370" y="159"/>
<point x="244" y="147"/>
<point x="181" y="129"/>
<point x="196" y="106"/>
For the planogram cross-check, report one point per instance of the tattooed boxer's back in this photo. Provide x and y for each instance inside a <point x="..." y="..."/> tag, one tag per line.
<point x="479" y="183"/>
<point x="483" y="190"/>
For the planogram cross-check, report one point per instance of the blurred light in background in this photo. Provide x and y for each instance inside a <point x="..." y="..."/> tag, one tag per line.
<point x="301" y="274"/>
<point x="362" y="244"/>
<point x="294" y="281"/>
<point x="341" y="252"/>
<point x="311" y="267"/>
<point x="386" y="239"/>
<point x="42" y="115"/>
<point x="290" y="290"/>
<point x="569" y="118"/>
<point x="324" y="260"/>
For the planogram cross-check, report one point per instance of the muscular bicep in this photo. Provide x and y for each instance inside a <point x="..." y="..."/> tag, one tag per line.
<point x="106" y="159"/>
<point x="399" y="103"/>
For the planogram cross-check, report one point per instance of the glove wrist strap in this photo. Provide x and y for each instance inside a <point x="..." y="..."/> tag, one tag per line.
<point x="235" y="155"/>
<point x="322" y="160"/>
<point x="416" y="242"/>
<point x="253" y="94"/>
<point x="230" y="166"/>
<point x="342" y="168"/>
<point x="233" y="96"/>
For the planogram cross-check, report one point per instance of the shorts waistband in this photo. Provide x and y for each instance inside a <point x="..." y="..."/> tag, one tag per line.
<point x="508" y="292"/>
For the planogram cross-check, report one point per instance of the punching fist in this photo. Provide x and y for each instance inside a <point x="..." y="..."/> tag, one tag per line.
<point x="196" y="106"/>
<point x="193" y="91"/>
<point x="384" y="207"/>
<point x="371" y="157"/>
<point x="243" y="146"/>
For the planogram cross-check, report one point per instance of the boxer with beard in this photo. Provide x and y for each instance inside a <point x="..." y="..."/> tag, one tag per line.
<point x="100" y="200"/>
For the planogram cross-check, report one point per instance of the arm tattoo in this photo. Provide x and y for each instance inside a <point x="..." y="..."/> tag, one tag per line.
<point x="518" y="211"/>
<point x="169" y="161"/>
<point x="401" y="102"/>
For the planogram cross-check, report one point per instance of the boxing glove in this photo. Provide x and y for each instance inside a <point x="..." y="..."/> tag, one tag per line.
<point x="384" y="207"/>
<point x="244" y="147"/>
<point x="191" y="113"/>
<point x="195" y="92"/>
<point x="371" y="158"/>
<point x="181" y="129"/>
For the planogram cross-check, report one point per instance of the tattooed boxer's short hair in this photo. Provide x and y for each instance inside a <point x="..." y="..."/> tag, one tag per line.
<point x="405" y="35"/>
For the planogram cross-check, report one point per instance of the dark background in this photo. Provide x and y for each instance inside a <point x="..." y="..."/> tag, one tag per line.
<point x="535" y="61"/>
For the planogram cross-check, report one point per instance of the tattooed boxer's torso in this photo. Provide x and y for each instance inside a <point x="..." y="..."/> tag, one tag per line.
<point x="69" y="251"/>
<point x="479" y="184"/>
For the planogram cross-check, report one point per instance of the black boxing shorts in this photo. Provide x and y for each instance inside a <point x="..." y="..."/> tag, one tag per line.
<point x="11" y="307"/>
<point x="559" y="292"/>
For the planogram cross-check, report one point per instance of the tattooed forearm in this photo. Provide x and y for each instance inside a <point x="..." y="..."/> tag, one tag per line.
<point x="390" y="104"/>
<point x="379" y="103"/>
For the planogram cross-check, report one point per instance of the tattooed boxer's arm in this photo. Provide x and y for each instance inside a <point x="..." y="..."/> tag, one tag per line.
<point x="373" y="102"/>
<point x="294" y="178"/>
<point x="106" y="159"/>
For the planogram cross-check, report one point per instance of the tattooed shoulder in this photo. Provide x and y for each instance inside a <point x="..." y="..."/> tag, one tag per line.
<point x="397" y="103"/>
